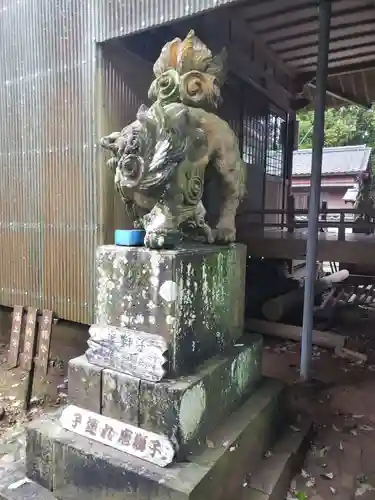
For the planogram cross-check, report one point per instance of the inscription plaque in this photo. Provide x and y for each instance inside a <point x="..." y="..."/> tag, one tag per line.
<point x="148" y="446"/>
<point x="44" y="341"/>
<point x="30" y="339"/>
<point x="15" y="334"/>
<point x="141" y="355"/>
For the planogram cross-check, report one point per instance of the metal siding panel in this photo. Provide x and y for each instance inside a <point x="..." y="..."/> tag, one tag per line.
<point x="122" y="17"/>
<point x="124" y="81"/>
<point x="49" y="225"/>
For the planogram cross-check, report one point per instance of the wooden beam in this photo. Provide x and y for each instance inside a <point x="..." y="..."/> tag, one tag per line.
<point x="338" y="65"/>
<point x="244" y="59"/>
<point x="347" y="53"/>
<point x="334" y="46"/>
<point x="299" y="103"/>
<point x="264" y="9"/>
<point x="245" y="33"/>
<point x="297" y="14"/>
<point x="347" y="97"/>
<point x="311" y="39"/>
<point x="307" y="76"/>
<point x="312" y="25"/>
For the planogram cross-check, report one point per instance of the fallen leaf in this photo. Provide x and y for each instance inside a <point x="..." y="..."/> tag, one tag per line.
<point x="366" y="428"/>
<point x="311" y="482"/>
<point x="294" y="428"/>
<point x="327" y="475"/>
<point x="323" y="451"/>
<point x="304" y="474"/>
<point x="19" y="483"/>
<point x="363" y="488"/>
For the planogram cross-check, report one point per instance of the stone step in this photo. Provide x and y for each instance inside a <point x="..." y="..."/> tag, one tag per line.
<point x="74" y="467"/>
<point x="14" y="485"/>
<point x="184" y="409"/>
<point x="272" y="478"/>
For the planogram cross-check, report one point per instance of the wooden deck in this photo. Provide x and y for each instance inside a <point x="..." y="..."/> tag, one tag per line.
<point x="357" y="248"/>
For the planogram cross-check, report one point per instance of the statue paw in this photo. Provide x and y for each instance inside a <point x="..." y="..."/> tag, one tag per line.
<point x="225" y="235"/>
<point x="158" y="240"/>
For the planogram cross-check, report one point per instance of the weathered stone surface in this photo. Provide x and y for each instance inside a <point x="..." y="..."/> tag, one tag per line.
<point x="138" y="354"/>
<point x="120" y="396"/>
<point x="15" y="486"/>
<point x="187" y="408"/>
<point x="272" y="478"/>
<point x="85" y="384"/>
<point x="81" y="469"/>
<point x="192" y="296"/>
<point x="39" y="458"/>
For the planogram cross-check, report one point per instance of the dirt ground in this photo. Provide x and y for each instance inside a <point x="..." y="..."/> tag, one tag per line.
<point x="49" y="392"/>
<point x="341" y="401"/>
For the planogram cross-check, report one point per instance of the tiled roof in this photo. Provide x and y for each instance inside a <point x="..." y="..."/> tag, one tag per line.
<point x="340" y="160"/>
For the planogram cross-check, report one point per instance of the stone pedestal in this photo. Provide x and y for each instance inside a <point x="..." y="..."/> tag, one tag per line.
<point x="169" y="380"/>
<point x="193" y="297"/>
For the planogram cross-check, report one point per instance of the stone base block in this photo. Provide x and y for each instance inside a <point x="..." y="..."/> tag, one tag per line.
<point x="183" y="409"/>
<point x="85" y="384"/>
<point x="192" y="296"/>
<point x="74" y="467"/>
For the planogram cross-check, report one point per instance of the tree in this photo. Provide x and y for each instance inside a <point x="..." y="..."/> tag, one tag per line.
<point x="345" y="126"/>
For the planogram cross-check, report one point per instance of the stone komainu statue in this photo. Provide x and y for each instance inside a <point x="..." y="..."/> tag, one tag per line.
<point x="160" y="159"/>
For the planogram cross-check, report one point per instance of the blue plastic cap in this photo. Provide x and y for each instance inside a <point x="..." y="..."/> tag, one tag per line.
<point x="130" y="237"/>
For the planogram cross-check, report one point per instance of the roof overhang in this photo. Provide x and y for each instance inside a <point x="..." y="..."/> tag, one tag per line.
<point x="273" y="44"/>
<point x="290" y="30"/>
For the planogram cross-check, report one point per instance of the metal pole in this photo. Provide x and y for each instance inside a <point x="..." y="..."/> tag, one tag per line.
<point x="316" y="172"/>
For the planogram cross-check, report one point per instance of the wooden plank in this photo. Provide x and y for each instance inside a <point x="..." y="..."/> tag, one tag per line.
<point x="44" y="341"/>
<point x="127" y="438"/>
<point x="30" y="339"/>
<point x="320" y="338"/>
<point x="15" y="334"/>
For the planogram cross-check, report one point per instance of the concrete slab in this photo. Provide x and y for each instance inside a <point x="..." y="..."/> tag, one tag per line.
<point x="80" y="468"/>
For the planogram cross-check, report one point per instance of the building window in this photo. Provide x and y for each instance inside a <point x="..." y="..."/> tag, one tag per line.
<point x="275" y="145"/>
<point x="254" y="139"/>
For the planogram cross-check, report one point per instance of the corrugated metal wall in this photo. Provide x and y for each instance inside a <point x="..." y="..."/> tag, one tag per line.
<point x="123" y="82"/>
<point x="59" y="92"/>
<point x="48" y="190"/>
<point x="121" y="17"/>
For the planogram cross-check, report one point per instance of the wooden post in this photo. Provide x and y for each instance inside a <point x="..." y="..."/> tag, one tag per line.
<point x="45" y="326"/>
<point x="324" y="214"/>
<point x="290" y="213"/>
<point x="15" y="334"/>
<point x="341" y="233"/>
<point x="29" y="351"/>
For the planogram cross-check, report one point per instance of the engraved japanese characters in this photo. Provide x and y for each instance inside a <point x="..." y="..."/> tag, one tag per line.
<point x="160" y="160"/>
<point x="138" y="442"/>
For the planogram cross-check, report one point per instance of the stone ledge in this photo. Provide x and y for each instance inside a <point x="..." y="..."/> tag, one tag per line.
<point x="79" y="468"/>
<point x="272" y="479"/>
<point x="184" y="409"/>
<point x="13" y="486"/>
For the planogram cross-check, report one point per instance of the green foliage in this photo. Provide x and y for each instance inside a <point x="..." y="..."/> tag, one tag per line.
<point x="344" y="126"/>
<point x="300" y="495"/>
